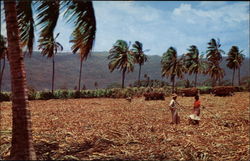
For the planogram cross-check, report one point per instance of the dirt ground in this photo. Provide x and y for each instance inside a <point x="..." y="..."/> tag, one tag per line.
<point x="110" y="129"/>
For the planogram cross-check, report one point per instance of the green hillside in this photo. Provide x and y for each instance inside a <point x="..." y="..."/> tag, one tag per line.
<point x="95" y="69"/>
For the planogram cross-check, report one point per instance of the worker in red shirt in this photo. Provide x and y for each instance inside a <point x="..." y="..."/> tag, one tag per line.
<point x="197" y="105"/>
<point x="194" y="118"/>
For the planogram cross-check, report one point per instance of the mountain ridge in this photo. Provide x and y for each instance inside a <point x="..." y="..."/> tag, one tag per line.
<point x="95" y="69"/>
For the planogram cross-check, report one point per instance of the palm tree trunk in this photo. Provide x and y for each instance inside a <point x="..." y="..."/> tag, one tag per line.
<point x="21" y="144"/>
<point x="139" y="76"/>
<point x="123" y="76"/>
<point x="173" y="84"/>
<point x="233" y="77"/>
<point x="80" y="75"/>
<point x="195" y="82"/>
<point x="239" y="75"/>
<point x="213" y="82"/>
<point x="53" y="73"/>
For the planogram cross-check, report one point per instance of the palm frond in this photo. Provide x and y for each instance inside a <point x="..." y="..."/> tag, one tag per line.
<point x="171" y="66"/>
<point x="81" y="13"/>
<point x="26" y="24"/>
<point x="48" y="13"/>
<point x="139" y="53"/>
<point x="121" y="57"/>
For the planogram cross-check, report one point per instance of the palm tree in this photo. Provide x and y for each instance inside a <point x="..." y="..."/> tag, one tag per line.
<point x="234" y="59"/>
<point x="50" y="48"/>
<point x="214" y="58"/>
<point x="215" y="72"/>
<point x="83" y="37"/>
<point x="121" y="58"/>
<point x="140" y="57"/>
<point x="3" y="54"/>
<point x="194" y="62"/>
<point x="22" y="144"/>
<point x="240" y="58"/>
<point x="172" y="66"/>
<point x="19" y="18"/>
<point x="81" y="13"/>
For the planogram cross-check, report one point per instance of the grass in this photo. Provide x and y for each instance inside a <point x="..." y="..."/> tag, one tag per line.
<point x="106" y="128"/>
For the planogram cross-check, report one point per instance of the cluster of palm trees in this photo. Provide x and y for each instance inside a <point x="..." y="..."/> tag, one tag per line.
<point x="123" y="58"/>
<point x="194" y="63"/>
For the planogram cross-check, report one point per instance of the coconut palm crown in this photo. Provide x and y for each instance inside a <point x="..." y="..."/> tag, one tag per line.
<point x="121" y="58"/>
<point x="214" y="58"/>
<point x="194" y="62"/>
<point x="140" y="56"/>
<point x="172" y="66"/>
<point x="234" y="60"/>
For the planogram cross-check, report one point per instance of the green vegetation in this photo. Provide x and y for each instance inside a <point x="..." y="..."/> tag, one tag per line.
<point x="98" y="93"/>
<point x="114" y="92"/>
<point x="5" y="96"/>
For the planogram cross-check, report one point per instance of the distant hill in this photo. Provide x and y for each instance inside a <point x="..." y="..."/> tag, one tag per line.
<point x="95" y="69"/>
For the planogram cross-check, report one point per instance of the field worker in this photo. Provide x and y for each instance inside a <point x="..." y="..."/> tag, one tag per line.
<point x="194" y="118"/>
<point x="173" y="108"/>
<point x="197" y="105"/>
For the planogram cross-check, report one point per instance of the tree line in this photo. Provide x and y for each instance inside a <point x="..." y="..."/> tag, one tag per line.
<point x="123" y="58"/>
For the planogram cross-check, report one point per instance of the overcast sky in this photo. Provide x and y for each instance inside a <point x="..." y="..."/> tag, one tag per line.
<point x="159" y="25"/>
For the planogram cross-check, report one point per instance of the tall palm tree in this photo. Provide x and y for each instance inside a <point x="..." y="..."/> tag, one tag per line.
<point x="50" y="48"/>
<point x="140" y="57"/>
<point x="194" y="62"/>
<point x="172" y="66"/>
<point x="233" y="61"/>
<point x="22" y="144"/>
<point x="84" y="34"/>
<point x="20" y="19"/>
<point x="214" y="58"/>
<point x="121" y="58"/>
<point x="240" y="58"/>
<point x="3" y="55"/>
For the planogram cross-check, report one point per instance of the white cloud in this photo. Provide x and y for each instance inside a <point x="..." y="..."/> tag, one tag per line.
<point x="159" y="29"/>
<point x="211" y="4"/>
<point x="229" y="14"/>
<point x="124" y="20"/>
<point x="182" y="9"/>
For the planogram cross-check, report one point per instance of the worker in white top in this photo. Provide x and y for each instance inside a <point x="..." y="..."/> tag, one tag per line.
<point x="173" y="108"/>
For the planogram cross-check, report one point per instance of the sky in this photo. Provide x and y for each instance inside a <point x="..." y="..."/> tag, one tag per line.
<point x="161" y="24"/>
